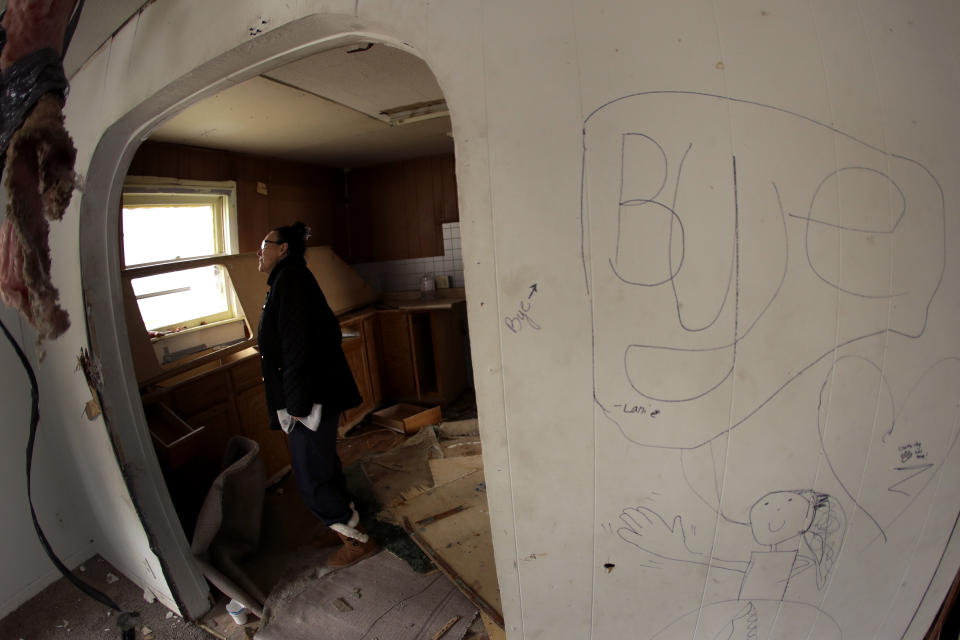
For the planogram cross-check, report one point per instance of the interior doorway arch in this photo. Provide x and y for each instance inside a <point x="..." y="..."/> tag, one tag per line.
<point x="101" y="267"/>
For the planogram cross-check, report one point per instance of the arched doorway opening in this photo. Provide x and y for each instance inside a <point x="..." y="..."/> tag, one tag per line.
<point x="116" y="334"/>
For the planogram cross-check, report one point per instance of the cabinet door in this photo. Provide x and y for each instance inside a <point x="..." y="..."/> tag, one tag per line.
<point x="246" y="374"/>
<point x="356" y="359"/>
<point x="448" y="332"/>
<point x="369" y="331"/>
<point x="396" y="209"/>
<point x="203" y="392"/>
<point x="394" y="351"/>
<point x="255" y="424"/>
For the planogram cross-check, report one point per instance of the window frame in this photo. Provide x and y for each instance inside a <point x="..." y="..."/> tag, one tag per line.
<point x="222" y="195"/>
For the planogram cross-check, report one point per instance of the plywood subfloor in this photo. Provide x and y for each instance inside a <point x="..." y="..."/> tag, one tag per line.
<point x="434" y="486"/>
<point x="451" y="522"/>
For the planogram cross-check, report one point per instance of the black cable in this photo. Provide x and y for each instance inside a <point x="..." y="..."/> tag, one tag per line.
<point x="126" y="620"/>
<point x="71" y="26"/>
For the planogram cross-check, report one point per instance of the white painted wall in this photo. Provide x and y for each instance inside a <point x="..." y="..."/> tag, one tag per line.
<point x="62" y="507"/>
<point x="521" y="80"/>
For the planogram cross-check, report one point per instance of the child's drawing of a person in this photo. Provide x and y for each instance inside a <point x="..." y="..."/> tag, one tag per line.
<point x="799" y="530"/>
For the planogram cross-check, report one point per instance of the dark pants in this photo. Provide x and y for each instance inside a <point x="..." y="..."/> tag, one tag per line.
<point x="316" y="466"/>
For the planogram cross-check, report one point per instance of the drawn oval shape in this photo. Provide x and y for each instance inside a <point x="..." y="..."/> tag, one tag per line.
<point x="858" y="199"/>
<point x="854" y="218"/>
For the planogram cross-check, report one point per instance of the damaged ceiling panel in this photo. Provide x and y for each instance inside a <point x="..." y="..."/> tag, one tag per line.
<point x="336" y="108"/>
<point x="374" y="80"/>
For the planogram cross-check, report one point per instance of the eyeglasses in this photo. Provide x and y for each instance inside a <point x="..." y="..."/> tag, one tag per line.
<point x="263" y="245"/>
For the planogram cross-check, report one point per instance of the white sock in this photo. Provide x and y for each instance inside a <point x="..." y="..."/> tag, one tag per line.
<point x="349" y="528"/>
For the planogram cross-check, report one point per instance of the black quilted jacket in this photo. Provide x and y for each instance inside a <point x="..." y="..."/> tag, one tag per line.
<point x="299" y="341"/>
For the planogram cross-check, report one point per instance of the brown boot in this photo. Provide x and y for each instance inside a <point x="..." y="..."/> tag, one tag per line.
<point x="353" y="550"/>
<point x="324" y="537"/>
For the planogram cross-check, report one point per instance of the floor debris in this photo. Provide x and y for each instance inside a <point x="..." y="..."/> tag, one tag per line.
<point x="445" y="513"/>
<point x="439" y="516"/>
<point x="443" y="630"/>
<point x="397" y="604"/>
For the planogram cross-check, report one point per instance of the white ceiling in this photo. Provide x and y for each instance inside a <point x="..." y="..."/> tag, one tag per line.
<point x="325" y="109"/>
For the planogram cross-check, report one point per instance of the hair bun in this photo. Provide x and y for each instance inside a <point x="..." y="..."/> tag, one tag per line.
<point x="301" y="229"/>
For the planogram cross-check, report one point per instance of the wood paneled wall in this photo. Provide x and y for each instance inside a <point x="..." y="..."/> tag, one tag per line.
<point x="295" y="191"/>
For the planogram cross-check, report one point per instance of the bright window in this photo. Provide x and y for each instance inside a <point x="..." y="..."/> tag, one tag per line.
<point x="182" y="223"/>
<point x="183" y="298"/>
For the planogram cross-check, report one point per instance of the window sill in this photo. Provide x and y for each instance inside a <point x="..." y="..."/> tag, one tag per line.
<point x="198" y="329"/>
<point x="175" y="347"/>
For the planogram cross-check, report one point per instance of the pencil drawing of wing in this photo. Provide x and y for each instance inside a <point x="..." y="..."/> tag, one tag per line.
<point x="883" y="456"/>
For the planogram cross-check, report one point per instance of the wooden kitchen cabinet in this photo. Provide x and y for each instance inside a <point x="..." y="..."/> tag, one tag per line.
<point x="216" y="422"/>
<point x="246" y="373"/>
<point x="422" y="354"/>
<point x="227" y="400"/>
<point x="354" y="352"/>
<point x="395" y="354"/>
<point x="369" y="329"/>
<point x="395" y="211"/>
<point x="202" y="392"/>
<point x="413" y="354"/>
<point x="250" y="400"/>
<point x="357" y="348"/>
<point x="255" y="424"/>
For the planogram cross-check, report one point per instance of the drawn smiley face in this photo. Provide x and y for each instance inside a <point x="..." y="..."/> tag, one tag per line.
<point x="780" y="516"/>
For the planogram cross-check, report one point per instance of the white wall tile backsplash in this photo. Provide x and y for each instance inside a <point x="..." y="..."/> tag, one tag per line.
<point x="405" y="275"/>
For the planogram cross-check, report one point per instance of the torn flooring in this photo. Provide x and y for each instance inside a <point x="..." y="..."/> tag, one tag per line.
<point x="433" y="485"/>
<point x="391" y="476"/>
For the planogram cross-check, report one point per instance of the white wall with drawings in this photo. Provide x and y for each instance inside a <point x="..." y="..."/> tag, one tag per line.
<point x="709" y="250"/>
<point x="765" y="216"/>
<point x="775" y="362"/>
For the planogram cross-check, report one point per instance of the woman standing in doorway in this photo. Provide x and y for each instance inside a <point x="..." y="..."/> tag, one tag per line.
<point x="308" y="383"/>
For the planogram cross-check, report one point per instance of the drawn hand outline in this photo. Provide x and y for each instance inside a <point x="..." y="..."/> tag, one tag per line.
<point x="647" y="530"/>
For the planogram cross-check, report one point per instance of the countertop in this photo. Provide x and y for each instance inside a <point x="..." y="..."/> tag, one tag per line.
<point x="413" y="301"/>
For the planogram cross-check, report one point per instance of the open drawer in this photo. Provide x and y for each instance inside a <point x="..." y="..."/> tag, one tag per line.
<point x="174" y="440"/>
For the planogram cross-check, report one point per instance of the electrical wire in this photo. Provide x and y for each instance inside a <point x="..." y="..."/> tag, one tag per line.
<point x="127" y="619"/>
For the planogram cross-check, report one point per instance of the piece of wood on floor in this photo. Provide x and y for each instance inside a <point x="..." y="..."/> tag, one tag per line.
<point x="442" y="631"/>
<point x="403" y="472"/>
<point x="455" y="457"/>
<point x="446" y="470"/>
<point x="494" y="632"/>
<point x="461" y="540"/>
